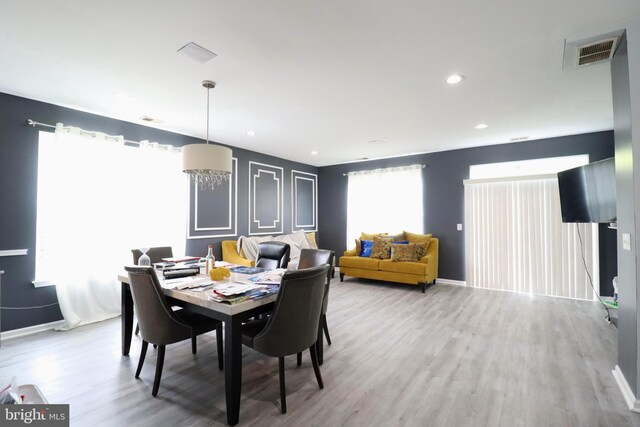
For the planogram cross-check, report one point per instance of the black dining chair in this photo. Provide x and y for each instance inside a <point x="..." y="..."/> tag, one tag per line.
<point x="313" y="258"/>
<point x="155" y="254"/>
<point x="160" y="325"/>
<point x="293" y="325"/>
<point x="272" y="255"/>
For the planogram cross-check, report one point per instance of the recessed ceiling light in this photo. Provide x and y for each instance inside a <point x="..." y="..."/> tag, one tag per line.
<point x="251" y="132"/>
<point x="314" y="152"/>
<point x="482" y="126"/>
<point x="454" y="79"/>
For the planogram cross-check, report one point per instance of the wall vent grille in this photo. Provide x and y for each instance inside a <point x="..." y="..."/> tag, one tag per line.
<point x="599" y="51"/>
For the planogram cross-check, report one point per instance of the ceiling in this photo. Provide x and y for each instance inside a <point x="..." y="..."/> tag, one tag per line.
<point x="328" y="76"/>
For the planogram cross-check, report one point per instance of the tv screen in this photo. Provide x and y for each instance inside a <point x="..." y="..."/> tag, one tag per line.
<point x="588" y="193"/>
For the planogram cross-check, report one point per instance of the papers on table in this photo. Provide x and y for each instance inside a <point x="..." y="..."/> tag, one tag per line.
<point x="230" y="289"/>
<point x="271" y="277"/>
<point x="188" y="283"/>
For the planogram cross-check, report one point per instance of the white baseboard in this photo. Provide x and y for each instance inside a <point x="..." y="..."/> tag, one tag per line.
<point x="627" y="393"/>
<point x="440" y="281"/>
<point x="30" y="330"/>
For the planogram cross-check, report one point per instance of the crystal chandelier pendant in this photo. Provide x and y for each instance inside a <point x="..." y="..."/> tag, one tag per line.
<point x="208" y="165"/>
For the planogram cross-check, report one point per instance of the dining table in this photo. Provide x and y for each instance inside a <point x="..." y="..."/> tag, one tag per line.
<point x="232" y="316"/>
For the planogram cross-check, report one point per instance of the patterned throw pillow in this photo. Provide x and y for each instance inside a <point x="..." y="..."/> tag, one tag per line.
<point x="366" y="247"/>
<point x="421" y="249"/>
<point x="399" y="237"/>
<point x="381" y="247"/>
<point x="404" y="252"/>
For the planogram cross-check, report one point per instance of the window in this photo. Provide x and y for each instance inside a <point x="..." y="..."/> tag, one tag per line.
<point x="384" y="200"/>
<point x="97" y="200"/>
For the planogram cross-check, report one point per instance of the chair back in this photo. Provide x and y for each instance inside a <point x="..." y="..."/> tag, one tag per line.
<point x="293" y="326"/>
<point x="314" y="257"/>
<point x="158" y="324"/>
<point x="272" y="255"/>
<point x="154" y="254"/>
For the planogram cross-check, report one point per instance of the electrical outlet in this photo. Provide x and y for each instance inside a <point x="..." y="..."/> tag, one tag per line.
<point x="459" y="227"/>
<point x="626" y="241"/>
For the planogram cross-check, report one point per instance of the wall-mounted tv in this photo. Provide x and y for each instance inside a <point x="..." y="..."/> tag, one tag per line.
<point x="588" y="193"/>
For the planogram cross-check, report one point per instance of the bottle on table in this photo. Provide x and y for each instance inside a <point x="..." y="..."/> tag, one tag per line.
<point x="210" y="260"/>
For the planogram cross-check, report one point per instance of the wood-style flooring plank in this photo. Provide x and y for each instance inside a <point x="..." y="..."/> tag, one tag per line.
<point x="453" y="356"/>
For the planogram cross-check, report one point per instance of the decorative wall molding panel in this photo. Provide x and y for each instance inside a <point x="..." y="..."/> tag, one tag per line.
<point x="304" y="201"/>
<point x="214" y="213"/>
<point x="266" y="186"/>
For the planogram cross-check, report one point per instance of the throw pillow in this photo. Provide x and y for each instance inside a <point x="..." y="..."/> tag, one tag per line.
<point x="421" y="249"/>
<point x="358" y="247"/>
<point x="366" y="247"/>
<point x="399" y="237"/>
<point x="381" y="247"/>
<point x="404" y="252"/>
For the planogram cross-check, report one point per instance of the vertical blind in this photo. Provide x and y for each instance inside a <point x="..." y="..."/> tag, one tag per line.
<point x="516" y="241"/>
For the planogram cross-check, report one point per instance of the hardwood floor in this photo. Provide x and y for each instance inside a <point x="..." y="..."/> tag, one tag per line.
<point x="451" y="357"/>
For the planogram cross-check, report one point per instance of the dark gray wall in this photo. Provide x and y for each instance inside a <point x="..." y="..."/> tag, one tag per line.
<point x="444" y="191"/>
<point x="625" y="69"/>
<point x="18" y="169"/>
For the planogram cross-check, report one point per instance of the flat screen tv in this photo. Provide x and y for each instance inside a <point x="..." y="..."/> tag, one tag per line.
<point x="588" y="193"/>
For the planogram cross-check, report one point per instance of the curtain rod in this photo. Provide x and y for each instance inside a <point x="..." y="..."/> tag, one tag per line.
<point x="347" y="174"/>
<point x="33" y="123"/>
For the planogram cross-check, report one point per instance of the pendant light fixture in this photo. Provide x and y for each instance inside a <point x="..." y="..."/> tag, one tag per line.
<point x="208" y="165"/>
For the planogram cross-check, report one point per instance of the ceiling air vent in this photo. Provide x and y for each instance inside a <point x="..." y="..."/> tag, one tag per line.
<point x="596" y="52"/>
<point x="580" y="52"/>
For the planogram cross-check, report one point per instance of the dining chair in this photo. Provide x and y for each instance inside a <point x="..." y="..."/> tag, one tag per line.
<point x="312" y="258"/>
<point x="160" y="325"/>
<point x="155" y="255"/>
<point x="272" y="255"/>
<point x="293" y="326"/>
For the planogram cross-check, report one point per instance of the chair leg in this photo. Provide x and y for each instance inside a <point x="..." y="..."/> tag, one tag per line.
<point x="194" y="343"/>
<point x="220" y="349"/>
<point x="143" y="353"/>
<point x="325" y="328"/>
<point x="316" y="368"/>
<point x="299" y="359"/>
<point x="159" y="363"/>
<point x="137" y="329"/>
<point x="283" y="393"/>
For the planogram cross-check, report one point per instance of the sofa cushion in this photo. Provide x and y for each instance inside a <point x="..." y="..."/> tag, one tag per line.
<point x="404" y="252"/>
<point x="417" y="238"/>
<point x="417" y="268"/>
<point x="359" y="262"/>
<point x="366" y="247"/>
<point x="381" y="247"/>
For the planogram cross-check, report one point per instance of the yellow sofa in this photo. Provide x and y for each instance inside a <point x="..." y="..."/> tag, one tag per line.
<point x="415" y="273"/>
<point x="230" y="251"/>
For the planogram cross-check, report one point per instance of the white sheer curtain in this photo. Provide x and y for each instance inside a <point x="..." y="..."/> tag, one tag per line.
<point x="384" y="200"/>
<point x="516" y="241"/>
<point x="97" y="200"/>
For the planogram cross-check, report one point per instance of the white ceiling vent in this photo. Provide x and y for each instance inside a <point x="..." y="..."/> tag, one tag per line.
<point x="579" y="53"/>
